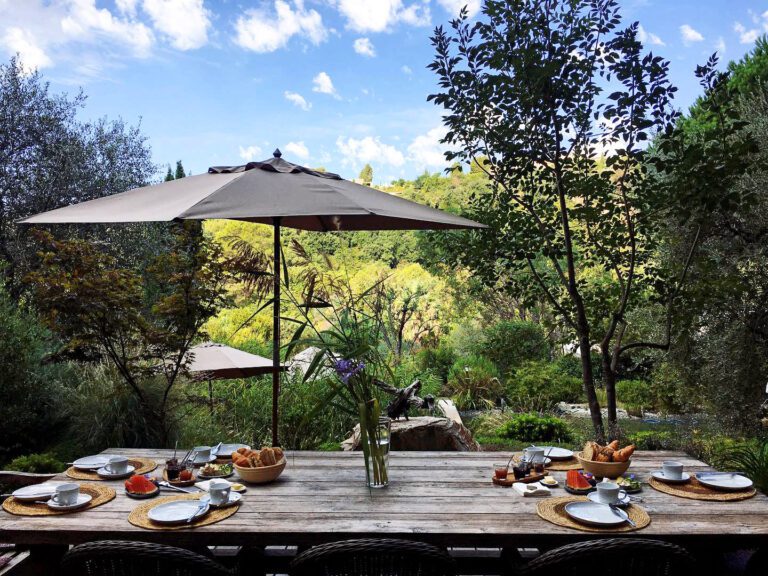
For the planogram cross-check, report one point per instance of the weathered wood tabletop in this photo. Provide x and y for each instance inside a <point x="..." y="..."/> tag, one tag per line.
<point x="441" y="497"/>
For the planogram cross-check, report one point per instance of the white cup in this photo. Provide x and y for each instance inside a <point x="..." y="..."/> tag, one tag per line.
<point x="202" y="454"/>
<point x="610" y="492"/>
<point x="117" y="465"/>
<point x="672" y="469"/>
<point x="219" y="492"/>
<point x="534" y="454"/>
<point x="66" y="494"/>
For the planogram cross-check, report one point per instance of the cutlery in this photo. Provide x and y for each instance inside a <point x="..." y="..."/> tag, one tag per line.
<point x="200" y="507"/>
<point x="216" y="448"/>
<point x="169" y="486"/>
<point x="621" y="514"/>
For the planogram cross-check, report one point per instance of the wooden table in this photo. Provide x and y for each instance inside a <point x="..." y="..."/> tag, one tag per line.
<point x="445" y="498"/>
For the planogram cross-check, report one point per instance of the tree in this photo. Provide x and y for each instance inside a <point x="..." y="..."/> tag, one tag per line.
<point x="179" y="171"/>
<point x="560" y="101"/>
<point x="143" y="323"/>
<point x="169" y="175"/>
<point x="366" y="175"/>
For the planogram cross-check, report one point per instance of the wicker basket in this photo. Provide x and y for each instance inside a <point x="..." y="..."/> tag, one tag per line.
<point x="260" y="475"/>
<point x="604" y="469"/>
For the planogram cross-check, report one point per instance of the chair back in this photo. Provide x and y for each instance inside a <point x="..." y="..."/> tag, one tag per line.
<point x="625" y="556"/>
<point x="374" y="557"/>
<point x="118" y="558"/>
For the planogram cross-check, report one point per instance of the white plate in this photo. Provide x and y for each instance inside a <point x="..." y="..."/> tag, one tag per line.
<point x="724" y="481"/>
<point x="593" y="497"/>
<point x="82" y="500"/>
<point x="176" y="512"/>
<point x="35" y="492"/>
<point x="659" y="475"/>
<point x="206" y="477"/>
<point x="107" y="475"/>
<point x="556" y="453"/>
<point x="593" y="514"/>
<point x="226" y="449"/>
<point x="202" y="461"/>
<point x="92" y="462"/>
<point x="234" y="498"/>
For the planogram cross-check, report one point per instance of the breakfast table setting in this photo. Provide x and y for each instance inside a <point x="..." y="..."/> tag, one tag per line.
<point x="238" y="496"/>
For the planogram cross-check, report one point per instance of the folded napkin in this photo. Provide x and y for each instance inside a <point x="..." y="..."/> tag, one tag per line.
<point x="532" y="489"/>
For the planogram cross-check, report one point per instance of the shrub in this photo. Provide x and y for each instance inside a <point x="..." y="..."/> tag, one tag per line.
<point x="37" y="464"/>
<point x="751" y="458"/>
<point x="653" y="440"/>
<point x="571" y="366"/>
<point x="473" y="383"/>
<point x="636" y="395"/>
<point x="437" y="360"/>
<point x="534" y="428"/>
<point x="409" y="370"/>
<point x="509" y="344"/>
<point x="539" y="386"/>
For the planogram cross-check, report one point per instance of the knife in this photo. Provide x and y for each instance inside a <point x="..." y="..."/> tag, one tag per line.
<point x="216" y="449"/>
<point x="165" y="484"/>
<point x="621" y="514"/>
<point x="200" y="507"/>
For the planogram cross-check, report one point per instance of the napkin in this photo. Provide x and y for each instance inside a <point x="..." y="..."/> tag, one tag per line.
<point x="207" y="483"/>
<point x="532" y="489"/>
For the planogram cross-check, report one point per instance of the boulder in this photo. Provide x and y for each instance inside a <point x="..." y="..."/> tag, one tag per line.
<point x="423" y="433"/>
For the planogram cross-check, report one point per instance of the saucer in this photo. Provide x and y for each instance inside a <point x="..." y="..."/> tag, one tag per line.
<point x="234" y="498"/>
<point x="82" y="500"/>
<point x="659" y="475"/>
<point x="92" y="462"/>
<point x="593" y="496"/>
<point x="107" y="475"/>
<point x="35" y="492"/>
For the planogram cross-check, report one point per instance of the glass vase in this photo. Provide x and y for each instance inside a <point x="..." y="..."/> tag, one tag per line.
<point x="375" y="433"/>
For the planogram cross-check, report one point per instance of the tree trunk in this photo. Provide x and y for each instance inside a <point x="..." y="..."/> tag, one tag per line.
<point x="588" y="381"/>
<point x="609" y="382"/>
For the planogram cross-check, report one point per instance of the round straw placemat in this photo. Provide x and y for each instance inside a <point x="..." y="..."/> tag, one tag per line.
<point x="142" y="465"/>
<point x="695" y="490"/>
<point x="557" y="465"/>
<point x="101" y="495"/>
<point x="140" y="515"/>
<point x="553" y="510"/>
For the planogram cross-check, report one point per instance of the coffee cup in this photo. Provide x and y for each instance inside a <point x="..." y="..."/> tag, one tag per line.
<point x="202" y="454"/>
<point x="66" y="494"/>
<point x="672" y="469"/>
<point x="117" y="465"/>
<point x="534" y="454"/>
<point x="219" y="492"/>
<point x="610" y="493"/>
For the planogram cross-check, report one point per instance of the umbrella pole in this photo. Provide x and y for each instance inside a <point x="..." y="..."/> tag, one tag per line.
<point x="276" y="333"/>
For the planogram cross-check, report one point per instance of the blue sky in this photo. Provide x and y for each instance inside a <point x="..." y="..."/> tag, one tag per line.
<point x="336" y="83"/>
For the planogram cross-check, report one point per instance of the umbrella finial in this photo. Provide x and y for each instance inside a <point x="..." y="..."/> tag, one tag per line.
<point x="277" y="153"/>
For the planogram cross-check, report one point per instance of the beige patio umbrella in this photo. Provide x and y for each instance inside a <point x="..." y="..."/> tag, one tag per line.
<point x="274" y="192"/>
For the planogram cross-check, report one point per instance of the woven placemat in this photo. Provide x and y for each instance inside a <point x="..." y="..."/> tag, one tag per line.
<point x="557" y="465"/>
<point x="553" y="510"/>
<point x="101" y="495"/>
<point x="695" y="490"/>
<point x="140" y="515"/>
<point x="142" y="465"/>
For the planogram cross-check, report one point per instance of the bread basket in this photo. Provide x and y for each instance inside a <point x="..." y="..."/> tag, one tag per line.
<point x="603" y="469"/>
<point x="261" y="475"/>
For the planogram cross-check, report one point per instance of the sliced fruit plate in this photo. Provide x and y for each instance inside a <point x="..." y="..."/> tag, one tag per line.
<point x="141" y="488"/>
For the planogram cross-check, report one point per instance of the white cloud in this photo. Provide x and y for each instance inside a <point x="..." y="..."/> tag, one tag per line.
<point x="454" y="6"/>
<point x="86" y="22"/>
<point x="24" y="43"/>
<point x="184" y="22"/>
<point x="406" y="70"/>
<point x="261" y="31"/>
<point x="250" y="153"/>
<point x="364" y="47"/>
<point x="720" y="45"/>
<point x="690" y="35"/>
<point x="427" y="151"/>
<point x="380" y="15"/>
<point x="746" y="36"/>
<point x="368" y="149"/>
<point x="298" y="100"/>
<point x="649" y="37"/>
<point x="127" y="7"/>
<point x="297" y="149"/>
<point x="324" y="85"/>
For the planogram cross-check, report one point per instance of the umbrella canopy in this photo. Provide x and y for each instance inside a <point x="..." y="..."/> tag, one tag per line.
<point x="261" y="192"/>
<point x="273" y="192"/>
<point x="217" y="361"/>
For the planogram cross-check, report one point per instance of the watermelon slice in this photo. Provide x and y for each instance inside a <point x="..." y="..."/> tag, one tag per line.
<point x="576" y="481"/>
<point x="139" y="485"/>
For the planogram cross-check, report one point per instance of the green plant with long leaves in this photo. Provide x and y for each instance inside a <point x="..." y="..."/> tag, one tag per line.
<point x="752" y="460"/>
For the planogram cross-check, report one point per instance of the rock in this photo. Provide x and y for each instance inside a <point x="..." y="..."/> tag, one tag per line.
<point x="300" y="363"/>
<point x="423" y="433"/>
<point x="582" y="411"/>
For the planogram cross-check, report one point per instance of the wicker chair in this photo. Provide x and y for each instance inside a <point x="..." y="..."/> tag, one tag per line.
<point x="118" y="558"/>
<point x="373" y="557"/>
<point x="625" y="556"/>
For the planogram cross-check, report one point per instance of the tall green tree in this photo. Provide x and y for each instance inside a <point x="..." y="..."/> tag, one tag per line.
<point x="560" y="101"/>
<point x="169" y="175"/>
<point x="179" y="171"/>
<point x="366" y="175"/>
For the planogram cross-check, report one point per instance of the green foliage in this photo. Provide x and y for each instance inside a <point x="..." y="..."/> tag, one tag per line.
<point x="752" y="459"/>
<point x="366" y="175"/>
<point x="654" y="440"/>
<point x="636" y="395"/>
<point x="37" y="464"/>
<point x="509" y="344"/>
<point x="437" y="360"/>
<point x="539" y="386"/>
<point x="473" y="383"/>
<point x="534" y="428"/>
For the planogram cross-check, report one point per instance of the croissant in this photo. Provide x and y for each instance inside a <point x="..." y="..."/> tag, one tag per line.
<point x="614" y="445"/>
<point x="278" y="453"/>
<point x="602" y="457"/>
<point x="607" y="451"/>
<point x="624" y="454"/>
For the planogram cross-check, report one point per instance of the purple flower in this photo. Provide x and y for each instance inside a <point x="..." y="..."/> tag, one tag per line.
<point x="346" y="369"/>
